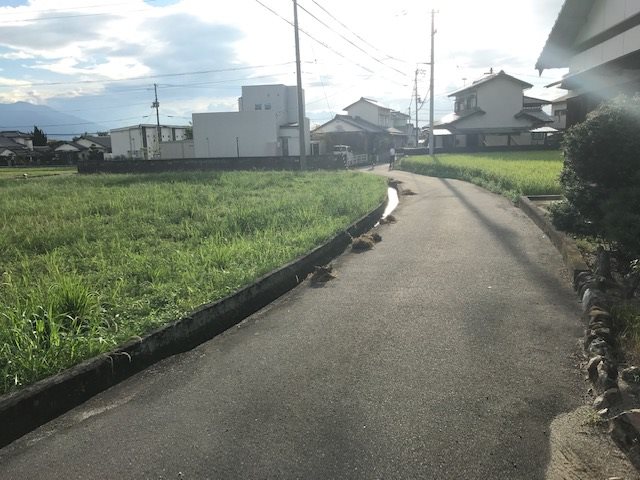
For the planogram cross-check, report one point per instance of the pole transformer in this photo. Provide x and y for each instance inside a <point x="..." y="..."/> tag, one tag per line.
<point x="156" y="105"/>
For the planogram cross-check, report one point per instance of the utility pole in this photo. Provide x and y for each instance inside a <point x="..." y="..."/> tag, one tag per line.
<point x="303" y="157"/>
<point x="156" y="105"/>
<point x="432" y="139"/>
<point x="417" y="126"/>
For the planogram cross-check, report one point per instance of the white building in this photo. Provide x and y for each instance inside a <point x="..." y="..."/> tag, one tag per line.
<point x="141" y="141"/>
<point x="266" y="125"/>
<point x="599" y="42"/>
<point x="492" y="112"/>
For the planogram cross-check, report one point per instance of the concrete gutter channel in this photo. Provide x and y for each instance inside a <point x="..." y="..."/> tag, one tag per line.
<point x="617" y="391"/>
<point x="41" y="402"/>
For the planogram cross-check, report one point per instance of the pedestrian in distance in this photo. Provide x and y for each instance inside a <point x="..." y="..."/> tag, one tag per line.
<point x="392" y="157"/>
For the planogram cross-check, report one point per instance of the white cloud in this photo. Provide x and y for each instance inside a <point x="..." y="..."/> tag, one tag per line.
<point x="113" y="40"/>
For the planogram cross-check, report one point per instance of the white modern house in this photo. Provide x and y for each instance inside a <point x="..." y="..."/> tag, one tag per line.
<point x="141" y="141"/>
<point x="265" y="125"/>
<point x="492" y="112"/>
<point x="599" y="42"/>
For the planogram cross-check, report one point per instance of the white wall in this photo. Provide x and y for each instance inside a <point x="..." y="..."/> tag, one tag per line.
<point x="127" y="143"/>
<point x="370" y="113"/>
<point x="180" y="149"/>
<point x="603" y="15"/>
<point x="281" y="99"/>
<point x="293" y="136"/>
<point x="560" y="119"/>
<point x="500" y="99"/>
<point x="131" y="142"/>
<point x="215" y="134"/>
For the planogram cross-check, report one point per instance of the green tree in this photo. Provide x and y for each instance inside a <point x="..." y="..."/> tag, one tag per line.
<point x="39" y="137"/>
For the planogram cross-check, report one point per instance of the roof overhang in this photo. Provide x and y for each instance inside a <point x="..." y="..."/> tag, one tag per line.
<point x="559" y="46"/>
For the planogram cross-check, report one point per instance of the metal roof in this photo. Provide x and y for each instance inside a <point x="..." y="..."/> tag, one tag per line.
<point x="545" y="129"/>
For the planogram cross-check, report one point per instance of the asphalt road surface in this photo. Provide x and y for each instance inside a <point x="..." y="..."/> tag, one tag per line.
<point x="444" y="353"/>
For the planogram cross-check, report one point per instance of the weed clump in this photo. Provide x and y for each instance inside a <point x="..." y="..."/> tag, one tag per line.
<point x="322" y="274"/>
<point x="363" y="243"/>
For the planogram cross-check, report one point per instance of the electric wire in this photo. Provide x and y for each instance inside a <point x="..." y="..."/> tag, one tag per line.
<point x="350" y="42"/>
<point x="355" y="34"/>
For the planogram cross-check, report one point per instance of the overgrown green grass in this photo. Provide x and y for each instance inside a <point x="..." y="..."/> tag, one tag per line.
<point x="510" y="173"/>
<point x="627" y="314"/>
<point x="87" y="262"/>
<point x="19" y="172"/>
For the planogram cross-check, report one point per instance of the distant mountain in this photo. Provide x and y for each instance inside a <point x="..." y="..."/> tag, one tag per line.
<point x="23" y="116"/>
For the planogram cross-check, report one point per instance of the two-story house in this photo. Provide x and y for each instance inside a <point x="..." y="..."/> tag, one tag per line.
<point x="599" y="42"/>
<point x="265" y="125"/>
<point x="368" y="127"/>
<point x="15" y="145"/>
<point x="492" y="112"/>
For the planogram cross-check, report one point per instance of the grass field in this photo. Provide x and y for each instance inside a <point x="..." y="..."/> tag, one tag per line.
<point x="510" y="173"/>
<point x="19" y="172"/>
<point x="87" y="262"/>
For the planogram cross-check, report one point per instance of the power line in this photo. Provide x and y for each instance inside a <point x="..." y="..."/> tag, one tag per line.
<point x="355" y="34"/>
<point x="322" y="43"/>
<point x="350" y="42"/>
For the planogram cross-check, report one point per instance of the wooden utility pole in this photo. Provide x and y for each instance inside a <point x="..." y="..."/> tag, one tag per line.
<point x="301" y="126"/>
<point x="432" y="138"/>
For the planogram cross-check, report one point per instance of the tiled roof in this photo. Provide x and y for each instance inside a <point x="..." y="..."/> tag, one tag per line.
<point x="452" y="118"/>
<point x="488" y="78"/>
<point x="368" y="100"/>
<point x="104" y="140"/>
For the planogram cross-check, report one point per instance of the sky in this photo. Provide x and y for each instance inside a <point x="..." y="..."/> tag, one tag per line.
<point x="99" y="59"/>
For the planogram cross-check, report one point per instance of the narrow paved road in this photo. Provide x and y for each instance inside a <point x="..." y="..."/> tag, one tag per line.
<point x="445" y="353"/>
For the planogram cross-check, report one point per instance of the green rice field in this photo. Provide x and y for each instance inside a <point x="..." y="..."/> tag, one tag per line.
<point x="87" y="262"/>
<point x="510" y="173"/>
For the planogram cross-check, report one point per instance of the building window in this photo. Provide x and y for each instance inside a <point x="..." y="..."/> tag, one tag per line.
<point x="267" y="106"/>
<point x="258" y="106"/>
<point x="471" y="102"/>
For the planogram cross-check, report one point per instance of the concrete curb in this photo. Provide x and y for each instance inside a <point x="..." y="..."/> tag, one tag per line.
<point x="565" y="245"/>
<point x="601" y="344"/>
<point x="36" y="404"/>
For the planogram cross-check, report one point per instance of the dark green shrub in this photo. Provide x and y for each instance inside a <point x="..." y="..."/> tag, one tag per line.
<point x="601" y="171"/>
<point x="566" y="217"/>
